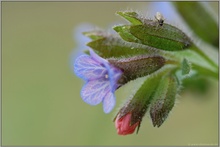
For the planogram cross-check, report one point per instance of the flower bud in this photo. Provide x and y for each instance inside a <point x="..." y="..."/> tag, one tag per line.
<point x="124" y="126"/>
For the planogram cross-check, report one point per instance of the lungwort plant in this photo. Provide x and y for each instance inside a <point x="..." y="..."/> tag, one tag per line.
<point x="149" y="48"/>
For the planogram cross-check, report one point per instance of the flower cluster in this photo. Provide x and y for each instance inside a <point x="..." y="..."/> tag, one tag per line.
<point x="146" y="48"/>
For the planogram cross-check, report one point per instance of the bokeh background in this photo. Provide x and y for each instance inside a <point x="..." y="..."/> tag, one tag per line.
<point x="41" y="102"/>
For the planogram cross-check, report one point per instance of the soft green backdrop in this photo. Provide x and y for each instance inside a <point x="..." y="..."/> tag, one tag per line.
<point x="41" y="102"/>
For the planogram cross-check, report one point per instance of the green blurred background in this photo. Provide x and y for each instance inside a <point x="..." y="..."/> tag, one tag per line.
<point x="41" y="102"/>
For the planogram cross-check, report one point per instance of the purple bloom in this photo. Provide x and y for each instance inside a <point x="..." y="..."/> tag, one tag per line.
<point x="101" y="80"/>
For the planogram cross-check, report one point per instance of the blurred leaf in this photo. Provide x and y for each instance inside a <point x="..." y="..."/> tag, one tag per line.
<point x="200" y="20"/>
<point x="132" y="17"/>
<point x="196" y="84"/>
<point x="96" y="34"/>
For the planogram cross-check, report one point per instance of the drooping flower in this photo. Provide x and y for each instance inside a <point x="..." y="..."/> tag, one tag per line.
<point x="123" y="125"/>
<point x="101" y="80"/>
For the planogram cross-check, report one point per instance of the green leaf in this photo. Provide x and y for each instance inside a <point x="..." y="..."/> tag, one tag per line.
<point x="200" y="20"/>
<point x="112" y="46"/>
<point x="132" y="17"/>
<point x="166" y="37"/>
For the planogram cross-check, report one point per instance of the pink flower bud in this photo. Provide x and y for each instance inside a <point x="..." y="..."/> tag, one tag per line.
<point x="123" y="125"/>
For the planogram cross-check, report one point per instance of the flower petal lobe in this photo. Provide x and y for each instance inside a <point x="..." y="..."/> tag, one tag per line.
<point x="94" y="91"/>
<point x="88" y="69"/>
<point x="108" y="102"/>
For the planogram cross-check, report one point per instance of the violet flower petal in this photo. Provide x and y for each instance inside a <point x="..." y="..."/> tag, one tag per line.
<point x="109" y="102"/>
<point x="114" y="76"/>
<point x="87" y="68"/>
<point x="94" y="91"/>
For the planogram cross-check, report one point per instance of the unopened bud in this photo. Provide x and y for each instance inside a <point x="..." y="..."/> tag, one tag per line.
<point x="123" y="125"/>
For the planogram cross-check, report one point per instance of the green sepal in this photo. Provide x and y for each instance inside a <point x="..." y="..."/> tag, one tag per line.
<point x="132" y="17"/>
<point x="141" y="100"/>
<point x="185" y="67"/>
<point x="113" y="46"/>
<point x="166" y="37"/>
<point x="124" y="32"/>
<point x="138" y="105"/>
<point x="163" y="99"/>
<point x="86" y="52"/>
<point x="96" y="34"/>
<point x="200" y="20"/>
<point x="137" y="66"/>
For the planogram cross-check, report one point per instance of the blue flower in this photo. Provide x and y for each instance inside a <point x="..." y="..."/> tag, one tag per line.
<point x="101" y="80"/>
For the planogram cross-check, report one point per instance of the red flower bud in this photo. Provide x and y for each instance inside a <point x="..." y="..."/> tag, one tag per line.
<point x="123" y="125"/>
